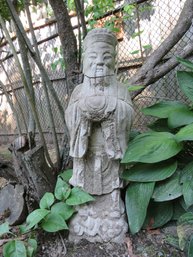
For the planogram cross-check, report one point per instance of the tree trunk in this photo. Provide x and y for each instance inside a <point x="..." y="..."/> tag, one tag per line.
<point x="32" y="171"/>
<point x="69" y="48"/>
<point x="67" y="37"/>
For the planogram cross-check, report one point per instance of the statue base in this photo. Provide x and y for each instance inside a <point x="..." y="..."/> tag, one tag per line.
<point x="100" y="221"/>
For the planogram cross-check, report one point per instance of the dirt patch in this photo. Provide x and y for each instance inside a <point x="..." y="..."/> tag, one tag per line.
<point x="55" y="246"/>
<point x="143" y="244"/>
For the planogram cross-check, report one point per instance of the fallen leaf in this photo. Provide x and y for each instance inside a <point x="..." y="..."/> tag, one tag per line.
<point x="130" y="247"/>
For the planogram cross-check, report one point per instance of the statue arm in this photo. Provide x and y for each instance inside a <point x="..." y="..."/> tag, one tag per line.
<point x="124" y="117"/>
<point x="78" y="126"/>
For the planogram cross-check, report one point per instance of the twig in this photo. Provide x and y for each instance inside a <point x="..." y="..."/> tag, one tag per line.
<point x="4" y="241"/>
<point x="63" y="243"/>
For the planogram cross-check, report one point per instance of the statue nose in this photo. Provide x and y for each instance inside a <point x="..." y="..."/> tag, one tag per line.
<point x="100" y="64"/>
<point x="100" y="61"/>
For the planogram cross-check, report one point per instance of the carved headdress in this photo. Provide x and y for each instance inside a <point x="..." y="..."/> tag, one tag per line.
<point x="99" y="35"/>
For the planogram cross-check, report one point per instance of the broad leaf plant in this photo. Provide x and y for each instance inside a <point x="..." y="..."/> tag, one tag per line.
<point x="159" y="164"/>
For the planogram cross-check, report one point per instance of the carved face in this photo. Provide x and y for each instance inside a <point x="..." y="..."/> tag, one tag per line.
<point x="99" y="60"/>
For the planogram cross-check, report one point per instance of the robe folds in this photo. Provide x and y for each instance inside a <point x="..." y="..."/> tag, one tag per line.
<point x="99" y="120"/>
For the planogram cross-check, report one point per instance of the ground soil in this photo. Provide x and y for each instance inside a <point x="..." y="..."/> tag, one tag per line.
<point x="152" y="243"/>
<point x="144" y="244"/>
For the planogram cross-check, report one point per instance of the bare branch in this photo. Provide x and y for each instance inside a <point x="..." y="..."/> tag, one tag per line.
<point x="151" y="71"/>
<point x="172" y="62"/>
<point x="47" y="98"/>
<point x="80" y="11"/>
<point x="34" y="109"/>
<point x="67" y="37"/>
<point x="161" y="70"/>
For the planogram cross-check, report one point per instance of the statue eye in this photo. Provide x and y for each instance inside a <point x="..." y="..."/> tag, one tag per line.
<point x="107" y="57"/>
<point x="92" y="56"/>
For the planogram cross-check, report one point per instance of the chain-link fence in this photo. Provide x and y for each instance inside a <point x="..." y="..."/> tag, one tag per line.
<point x="143" y="29"/>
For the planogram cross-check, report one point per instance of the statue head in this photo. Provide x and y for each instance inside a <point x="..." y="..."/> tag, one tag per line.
<point x="99" y="52"/>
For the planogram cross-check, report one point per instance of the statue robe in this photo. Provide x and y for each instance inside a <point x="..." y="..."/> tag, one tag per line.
<point x="98" y="135"/>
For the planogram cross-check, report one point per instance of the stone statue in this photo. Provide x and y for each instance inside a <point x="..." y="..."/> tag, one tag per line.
<point x="99" y="118"/>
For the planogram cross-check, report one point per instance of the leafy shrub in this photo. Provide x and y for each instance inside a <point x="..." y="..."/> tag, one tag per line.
<point x="160" y="166"/>
<point x="52" y="216"/>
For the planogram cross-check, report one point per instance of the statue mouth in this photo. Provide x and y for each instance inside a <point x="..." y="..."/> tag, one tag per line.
<point x="99" y="71"/>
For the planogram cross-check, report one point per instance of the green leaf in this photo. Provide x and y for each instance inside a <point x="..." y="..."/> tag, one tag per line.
<point x="185" y="133"/>
<point x="160" y="125"/>
<point x="150" y="172"/>
<point x="46" y="201"/>
<point x="14" y="248"/>
<point x="4" y="228"/>
<point x="158" y="214"/>
<point x="136" y="34"/>
<point x="62" y="189"/>
<point x="187" y="217"/>
<point x="185" y="81"/>
<point x="147" y="47"/>
<point x="55" y="49"/>
<point x="78" y="196"/>
<point x="54" y="65"/>
<point x="172" y="240"/>
<point x="35" y="217"/>
<point x="137" y="199"/>
<point x="53" y="223"/>
<point x="134" y="88"/>
<point x="66" y="175"/>
<point x="135" y="52"/>
<point x="183" y="204"/>
<point x="31" y="247"/>
<point x="168" y="190"/>
<point x="190" y="248"/>
<point x="187" y="184"/>
<point x="63" y="210"/>
<point x="184" y="229"/>
<point x="163" y="109"/>
<point x="151" y="147"/>
<point x="129" y="8"/>
<point x="186" y="63"/>
<point x="23" y="228"/>
<point x="181" y="117"/>
<point x="178" y="210"/>
<point x="133" y="134"/>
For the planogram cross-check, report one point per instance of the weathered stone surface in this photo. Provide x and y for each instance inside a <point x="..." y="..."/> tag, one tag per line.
<point x="95" y="222"/>
<point x="99" y="118"/>
<point x="12" y="207"/>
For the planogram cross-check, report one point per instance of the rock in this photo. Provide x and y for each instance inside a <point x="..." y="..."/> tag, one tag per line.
<point x="12" y="208"/>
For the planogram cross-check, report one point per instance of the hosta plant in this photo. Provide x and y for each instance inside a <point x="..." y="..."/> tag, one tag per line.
<point x="159" y="162"/>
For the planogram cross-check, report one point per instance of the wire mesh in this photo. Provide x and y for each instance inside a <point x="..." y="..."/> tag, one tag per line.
<point x="143" y="29"/>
